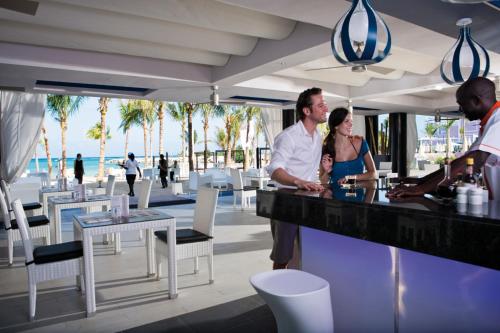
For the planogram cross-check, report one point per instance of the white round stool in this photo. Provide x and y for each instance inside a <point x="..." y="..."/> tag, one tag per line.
<point x="299" y="300"/>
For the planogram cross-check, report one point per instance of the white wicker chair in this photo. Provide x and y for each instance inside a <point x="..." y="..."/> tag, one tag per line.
<point x="196" y="242"/>
<point x="48" y="262"/>
<point x="144" y="194"/>
<point x="242" y="191"/>
<point x="31" y="208"/>
<point x="110" y="185"/>
<point x="39" y="227"/>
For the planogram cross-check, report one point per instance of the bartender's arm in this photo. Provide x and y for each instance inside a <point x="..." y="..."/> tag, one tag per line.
<point x="428" y="183"/>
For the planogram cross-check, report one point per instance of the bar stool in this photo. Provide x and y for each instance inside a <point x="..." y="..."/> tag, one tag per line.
<point x="299" y="300"/>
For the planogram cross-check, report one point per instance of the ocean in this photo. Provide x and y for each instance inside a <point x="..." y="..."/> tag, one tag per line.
<point x="90" y="164"/>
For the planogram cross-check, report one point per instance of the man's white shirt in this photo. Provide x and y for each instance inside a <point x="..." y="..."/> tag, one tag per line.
<point x="489" y="141"/>
<point x="297" y="152"/>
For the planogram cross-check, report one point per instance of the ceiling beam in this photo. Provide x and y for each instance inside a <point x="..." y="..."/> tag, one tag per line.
<point x="270" y="56"/>
<point x="101" y="63"/>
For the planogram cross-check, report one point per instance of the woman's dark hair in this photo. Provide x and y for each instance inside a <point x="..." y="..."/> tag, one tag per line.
<point x="337" y="116"/>
<point x="78" y="155"/>
<point x="305" y="101"/>
<point x="131" y="156"/>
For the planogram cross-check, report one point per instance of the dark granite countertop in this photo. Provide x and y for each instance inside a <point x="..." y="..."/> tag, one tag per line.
<point x="423" y="224"/>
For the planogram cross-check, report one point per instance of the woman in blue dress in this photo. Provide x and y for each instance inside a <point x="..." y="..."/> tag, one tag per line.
<point x="345" y="154"/>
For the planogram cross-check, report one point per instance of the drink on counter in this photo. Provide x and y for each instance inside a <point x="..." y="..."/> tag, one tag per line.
<point x="446" y="188"/>
<point x="469" y="179"/>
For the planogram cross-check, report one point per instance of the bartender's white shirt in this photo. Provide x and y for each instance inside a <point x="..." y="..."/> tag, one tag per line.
<point x="297" y="152"/>
<point x="489" y="142"/>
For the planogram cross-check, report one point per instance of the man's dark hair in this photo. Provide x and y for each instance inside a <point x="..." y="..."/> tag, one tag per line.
<point x="305" y="101"/>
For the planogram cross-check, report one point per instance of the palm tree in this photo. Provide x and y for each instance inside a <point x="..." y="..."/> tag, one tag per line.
<point x="47" y="150"/>
<point x="190" y="110"/>
<point x="220" y="138"/>
<point x="178" y="113"/>
<point x="146" y="111"/>
<point x="232" y="118"/>
<point x="251" y="112"/>
<point x="96" y="133"/>
<point x="61" y="107"/>
<point x="160" y="114"/>
<point x="208" y="111"/>
<point x="447" y="125"/>
<point x="430" y="130"/>
<point x="103" y="109"/>
<point x="129" y="116"/>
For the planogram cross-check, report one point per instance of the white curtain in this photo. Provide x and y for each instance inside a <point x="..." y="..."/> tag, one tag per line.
<point x="21" y="118"/>
<point x="411" y="140"/>
<point x="273" y="124"/>
<point x="358" y="125"/>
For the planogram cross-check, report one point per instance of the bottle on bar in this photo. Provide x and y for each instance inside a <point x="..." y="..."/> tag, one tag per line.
<point x="469" y="179"/>
<point x="446" y="188"/>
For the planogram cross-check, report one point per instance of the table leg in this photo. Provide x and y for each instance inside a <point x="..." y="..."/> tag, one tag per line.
<point x="88" y="258"/>
<point x="118" y="243"/>
<point x="57" y="223"/>
<point x="52" y="223"/>
<point x="150" y="252"/>
<point x="77" y="235"/>
<point x="43" y="200"/>
<point x="172" y="262"/>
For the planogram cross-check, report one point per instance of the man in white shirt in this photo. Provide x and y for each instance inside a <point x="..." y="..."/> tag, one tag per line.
<point x="295" y="162"/>
<point x="477" y="100"/>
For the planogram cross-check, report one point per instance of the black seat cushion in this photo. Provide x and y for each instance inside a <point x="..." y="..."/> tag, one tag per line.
<point x="58" y="252"/>
<point x="183" y="236"/>
<point x="32" y="205"/>
<point x="33" y="221"/>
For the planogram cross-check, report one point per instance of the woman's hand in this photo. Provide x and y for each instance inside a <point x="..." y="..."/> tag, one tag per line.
<point x="327" y="163"/>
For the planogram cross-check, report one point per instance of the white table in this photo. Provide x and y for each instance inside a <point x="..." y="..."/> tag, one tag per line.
<point x="177" y="188"/>
<point x="87" y="226"/>
<point x="261" y="179"/>
<point x="57" y="204"/>
<point x="46" y="192"/>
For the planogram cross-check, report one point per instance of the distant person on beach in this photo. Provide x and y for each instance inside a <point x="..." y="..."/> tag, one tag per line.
<point x="78" y="168"/>
<point x="132" y="167"/>
<point x="163" y="166"/>
<point x="175" y="170"/>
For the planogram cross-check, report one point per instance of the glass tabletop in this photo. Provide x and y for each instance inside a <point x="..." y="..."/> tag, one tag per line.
<point x="100" y="219"/>
<point x="52" y="190"/>
<point x="69" y="199"/>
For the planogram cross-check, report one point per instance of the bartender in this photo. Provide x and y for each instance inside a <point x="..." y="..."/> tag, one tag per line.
<point x="477" y="100"/>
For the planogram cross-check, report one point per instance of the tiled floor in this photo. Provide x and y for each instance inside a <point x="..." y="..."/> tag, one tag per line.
<point x="127" y="299"/>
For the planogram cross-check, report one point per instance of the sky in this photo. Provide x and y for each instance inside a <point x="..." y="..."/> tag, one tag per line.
<point x="88" y="115"/>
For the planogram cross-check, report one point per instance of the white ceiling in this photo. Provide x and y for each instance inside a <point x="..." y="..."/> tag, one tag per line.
<point x="177" y="49"/>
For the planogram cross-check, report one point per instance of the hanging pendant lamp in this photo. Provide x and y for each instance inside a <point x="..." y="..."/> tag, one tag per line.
<point x="466" y="59"/>
<point x="361" y="37"/>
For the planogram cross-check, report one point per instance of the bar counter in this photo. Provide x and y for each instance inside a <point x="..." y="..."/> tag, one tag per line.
<point x="409" y="265"/>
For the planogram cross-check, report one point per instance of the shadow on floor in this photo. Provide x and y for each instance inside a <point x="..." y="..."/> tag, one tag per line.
<point x="249" y="314"/>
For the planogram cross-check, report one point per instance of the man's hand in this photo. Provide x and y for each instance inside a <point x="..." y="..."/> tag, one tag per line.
<point x="308" y="186"/>
<point x="403" y="191"/>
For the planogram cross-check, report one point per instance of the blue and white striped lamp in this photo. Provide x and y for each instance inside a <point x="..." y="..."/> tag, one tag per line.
<point x="361" y="37"/>
<point x="466" y="59"/>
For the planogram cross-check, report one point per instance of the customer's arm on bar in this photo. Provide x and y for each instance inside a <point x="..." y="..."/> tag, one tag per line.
<point x="284" y="178"/>
<point x="284" y="149"/>
<point x="428" y="183"/>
